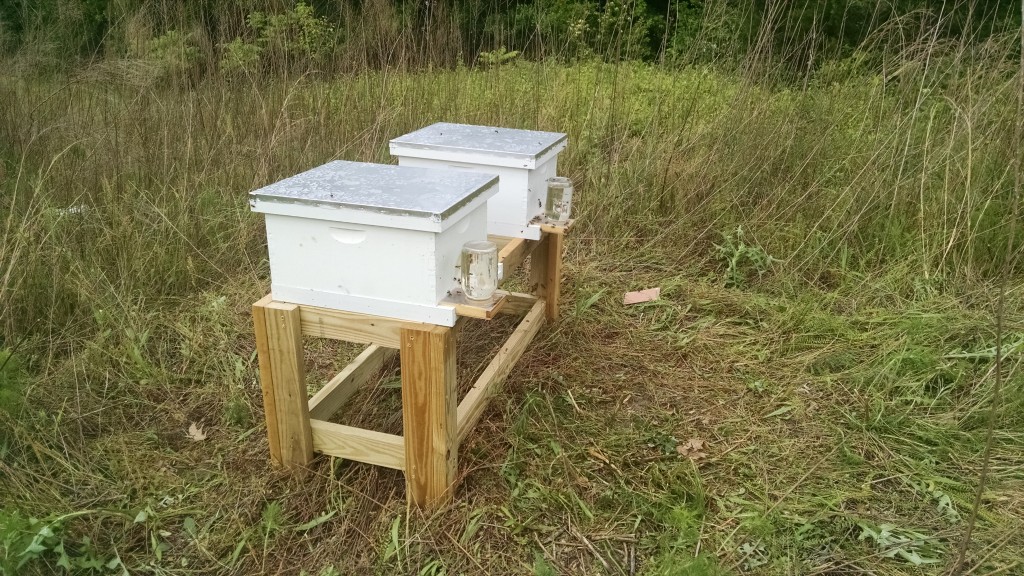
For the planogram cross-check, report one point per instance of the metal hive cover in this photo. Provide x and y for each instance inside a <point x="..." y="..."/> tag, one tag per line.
<point x="428" y="193"/>
<point x="506" y="142"/>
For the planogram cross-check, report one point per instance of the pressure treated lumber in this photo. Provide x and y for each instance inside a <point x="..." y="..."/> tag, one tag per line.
<point x="553" y="286"/>
<point x="466" y="308"/>
<point x="559" y="229"/>
<point x="539" y="268"/>
<point x="518" y="303"/>
<point x="514" y="253"/>
<point x="351" y="326"/>
<point x="546" y="272"/>
<point x="339" y="389"/>
<point x="472" y="406"/>
<point x="259" y="320"/>
<point x="429" y="414"/>
<point x="288" y="380"/>
<point x="357" y="444"/>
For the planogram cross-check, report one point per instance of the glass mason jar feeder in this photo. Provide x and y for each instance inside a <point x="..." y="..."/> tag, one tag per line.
<point x="559" y="204"/>
<point x="479" y="269"/>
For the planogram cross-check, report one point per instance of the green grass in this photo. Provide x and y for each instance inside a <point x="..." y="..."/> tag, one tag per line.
<point x="835" y="358"/>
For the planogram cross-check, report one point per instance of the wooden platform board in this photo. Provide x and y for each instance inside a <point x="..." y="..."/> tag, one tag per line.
<point x="481" y="310"/>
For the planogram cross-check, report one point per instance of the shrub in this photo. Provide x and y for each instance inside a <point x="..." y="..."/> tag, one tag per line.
<point x="297" y="37"/>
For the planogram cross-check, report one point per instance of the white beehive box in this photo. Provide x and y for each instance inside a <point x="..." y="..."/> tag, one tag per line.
<point x="371" y="238"/>
<point x="523" y="159"/>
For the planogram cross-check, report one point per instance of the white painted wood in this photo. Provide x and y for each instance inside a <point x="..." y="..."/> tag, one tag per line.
<point x="397" y="263"/>
<point x="362" y="192"/>
<point x="439" y="315"/>
<point x="492" y="145"/>
<point x="522" y="159"/>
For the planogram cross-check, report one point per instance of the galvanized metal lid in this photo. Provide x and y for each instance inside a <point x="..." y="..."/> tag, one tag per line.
<point x="522" y="147"/>
<point x="368" y="190"/>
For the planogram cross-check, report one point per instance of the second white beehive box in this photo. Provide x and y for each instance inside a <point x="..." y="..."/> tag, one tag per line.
<point x="523" y="159"/>
<point x="371" y="238"/>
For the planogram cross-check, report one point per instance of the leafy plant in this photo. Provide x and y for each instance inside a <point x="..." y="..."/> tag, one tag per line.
<point x="294" y="37"/>
<point x="273" y="520"/>
<point x="394" y="544"/>
<point x="173" y="54"/>
<point x="754" y="555"/>
<point x="894" y="541"/>
<point x="240" y="56"/>
<point x="741" y="258"/>
<point x="24" y="540"/>
<point x="497" y="57"/>
<point x="586" y="303"/>
<point x="433" y="568"/>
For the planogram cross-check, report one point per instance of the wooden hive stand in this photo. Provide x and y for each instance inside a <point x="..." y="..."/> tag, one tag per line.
<point x="434" y="422"/>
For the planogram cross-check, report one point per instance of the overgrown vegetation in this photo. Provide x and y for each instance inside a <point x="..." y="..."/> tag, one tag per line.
<point x="809" y="395"/>
<point x="328" y="36"/>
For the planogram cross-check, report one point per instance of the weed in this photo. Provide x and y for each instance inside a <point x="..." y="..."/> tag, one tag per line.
<point x="910" y="545"/>
<point x="741" y="258"/>
<point x="498" y="57"/>
<point x="27" y="540"/>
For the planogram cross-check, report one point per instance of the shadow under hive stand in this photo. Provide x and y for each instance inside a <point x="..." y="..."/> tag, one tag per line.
<point x="435" y="421"/>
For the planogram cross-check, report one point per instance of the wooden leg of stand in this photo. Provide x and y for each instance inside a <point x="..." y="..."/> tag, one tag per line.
<point x="539" y="268"/>
<point x="554" y="275"/>
<point x="283" y="379"/>
<point x="259" y="320"/>
<point x="429" y="414"/>
<point x="546" y="273"/>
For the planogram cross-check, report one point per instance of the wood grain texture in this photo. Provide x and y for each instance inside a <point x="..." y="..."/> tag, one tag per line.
<point x="259" y="321"/>
<point x="352" y="327"/>
<point x="539" y="268"/>
<point x="513" y="254"/>
<point x="553" y="284"/>
<point x="357" y="444"/>
<point x="288" y="375"/>
<point x="429" y="414"/>
<point x="500" y="241"/>
<point x="339" y="389"/>
<point x="557" y="228"/>
<point x="518" y="303"/>
<point x="467" y="308"/>
<point x="489" y="382"/>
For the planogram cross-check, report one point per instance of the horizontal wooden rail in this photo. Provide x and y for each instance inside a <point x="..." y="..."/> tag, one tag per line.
<point x="339" y="389"/>
<point x="512" y="255"/>
<point x="472" y="406"/>
<point x="517" y="303"/>
<point x="351" y="326"/>
<point x="357" y="444"/>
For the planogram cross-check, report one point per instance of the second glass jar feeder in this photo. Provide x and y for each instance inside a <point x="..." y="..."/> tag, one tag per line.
<point x="559" y="200"/>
